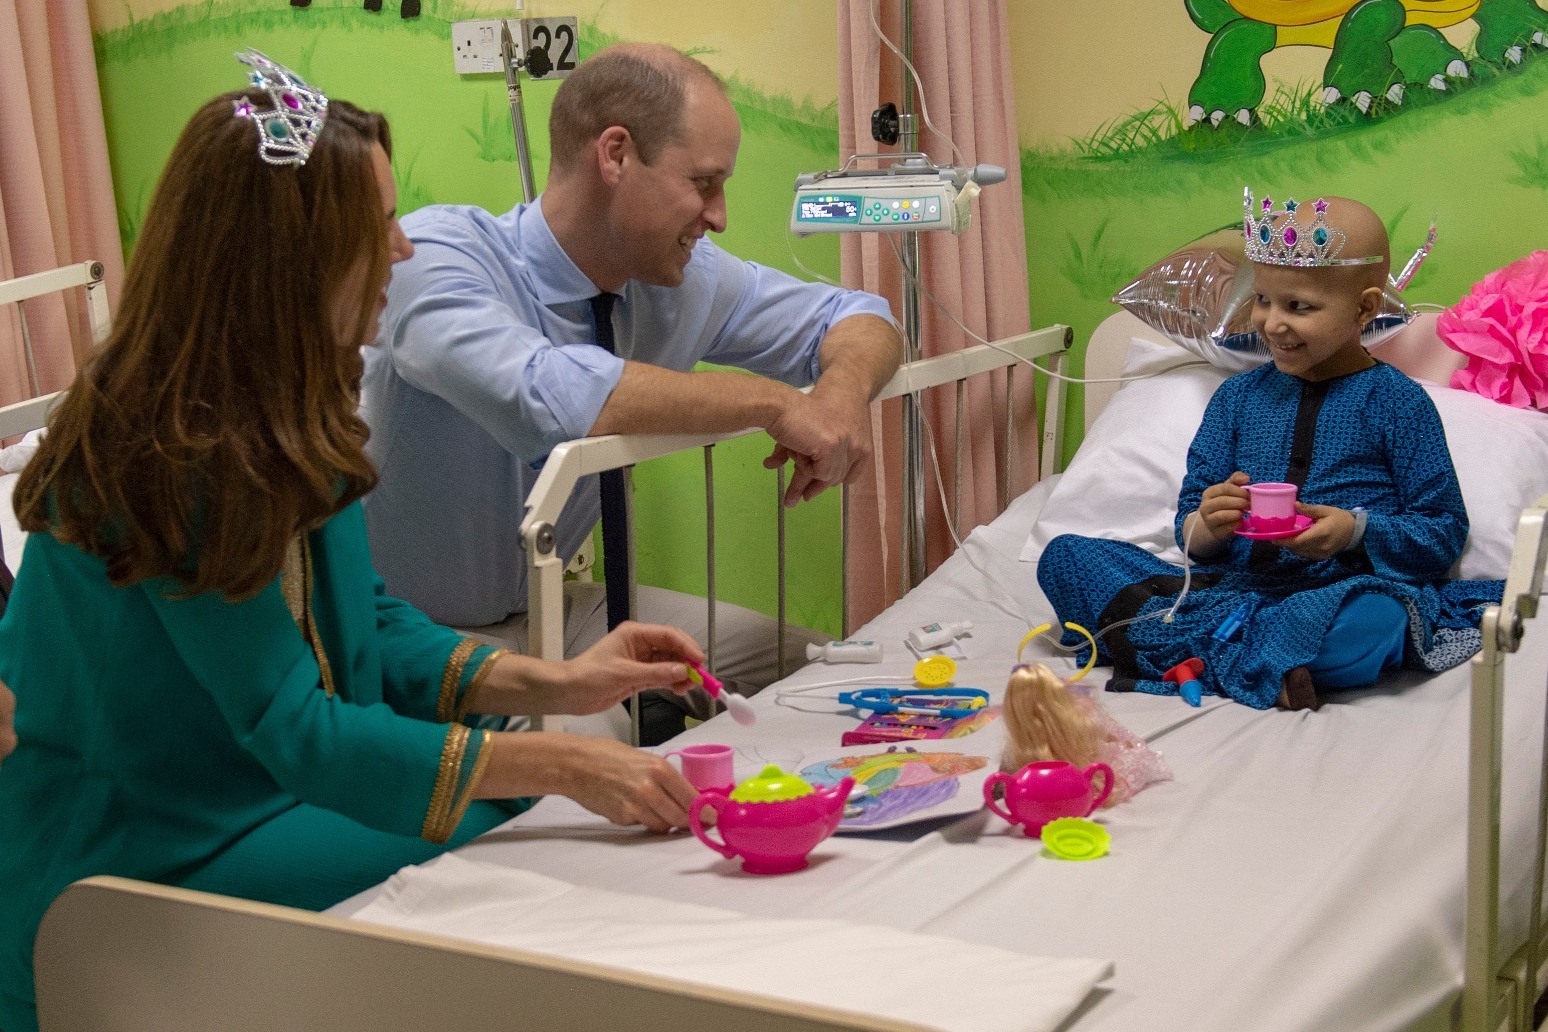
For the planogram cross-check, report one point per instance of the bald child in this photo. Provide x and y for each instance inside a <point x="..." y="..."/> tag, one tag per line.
<point x="1310" y="317"/>
<point x="1356" y="582"/>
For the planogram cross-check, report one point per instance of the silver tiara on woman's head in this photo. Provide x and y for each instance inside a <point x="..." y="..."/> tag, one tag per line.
<point x="1290" y="243"/>
<point x="288" y="130"/>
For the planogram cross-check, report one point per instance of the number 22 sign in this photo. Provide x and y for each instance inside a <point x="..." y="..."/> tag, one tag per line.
<point x="557" y="38"/>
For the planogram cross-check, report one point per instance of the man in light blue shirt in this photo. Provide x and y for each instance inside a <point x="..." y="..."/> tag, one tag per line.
<point x="489" y="355"/>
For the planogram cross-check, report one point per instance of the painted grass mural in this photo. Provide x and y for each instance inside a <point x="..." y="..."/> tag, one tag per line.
<point x="1475" y="160"/>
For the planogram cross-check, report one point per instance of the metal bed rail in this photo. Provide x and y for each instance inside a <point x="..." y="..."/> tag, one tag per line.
<point x="33" y="413"/>
<point x="571" y="461"/>
<point x="1500" y="991"/>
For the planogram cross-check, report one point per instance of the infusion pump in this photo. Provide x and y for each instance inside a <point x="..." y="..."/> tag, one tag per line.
<point x="905" y="198"/>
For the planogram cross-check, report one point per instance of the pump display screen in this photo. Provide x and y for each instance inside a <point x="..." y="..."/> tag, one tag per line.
<point x="829" y="208"/>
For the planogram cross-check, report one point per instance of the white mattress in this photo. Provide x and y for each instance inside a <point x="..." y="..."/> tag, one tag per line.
<point x="1301" y="872"/>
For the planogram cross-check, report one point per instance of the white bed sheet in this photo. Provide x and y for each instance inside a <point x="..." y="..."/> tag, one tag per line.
<point x="1303" y="871"/>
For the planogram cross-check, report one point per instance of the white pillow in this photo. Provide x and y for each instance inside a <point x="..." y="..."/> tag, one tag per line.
<point x="1501" y="456"/>
<point x="1124" y="480"/>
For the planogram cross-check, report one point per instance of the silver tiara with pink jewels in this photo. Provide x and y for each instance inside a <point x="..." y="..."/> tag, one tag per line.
<point x="288" y="130"/>
<point x="1292" y="242"/>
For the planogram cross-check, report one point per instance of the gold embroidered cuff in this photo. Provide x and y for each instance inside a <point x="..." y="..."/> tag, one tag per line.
<point x="447" y="775"/>
<point x="451" y="678"/>
<point x="478" y="678"/>
<point x="466" y="795"/>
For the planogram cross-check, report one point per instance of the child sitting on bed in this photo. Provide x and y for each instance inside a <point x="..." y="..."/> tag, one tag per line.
<point x="1362" y="588"/>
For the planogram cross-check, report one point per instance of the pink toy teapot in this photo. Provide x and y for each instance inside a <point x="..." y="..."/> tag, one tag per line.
<point x="771" y="821"/>
<point x="1046" y="790"/>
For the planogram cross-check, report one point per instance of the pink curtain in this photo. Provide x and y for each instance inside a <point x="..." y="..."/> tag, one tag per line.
<point x="962" y="54"/>
<point x="56" y="191"/>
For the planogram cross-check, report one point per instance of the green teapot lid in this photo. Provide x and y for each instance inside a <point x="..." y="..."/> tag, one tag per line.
<point x="771" y="786"/>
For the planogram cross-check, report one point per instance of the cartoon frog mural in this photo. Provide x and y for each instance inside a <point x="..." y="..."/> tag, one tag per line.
<point x="1379" y="47"/>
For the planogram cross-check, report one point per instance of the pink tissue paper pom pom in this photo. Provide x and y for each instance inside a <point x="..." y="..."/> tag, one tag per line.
<point x="1501" y="325"/>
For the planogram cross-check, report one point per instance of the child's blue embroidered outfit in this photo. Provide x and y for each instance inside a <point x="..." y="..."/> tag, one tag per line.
<point x="1372" y="440"/>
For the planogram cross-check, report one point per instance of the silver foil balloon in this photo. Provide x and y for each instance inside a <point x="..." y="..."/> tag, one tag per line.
<point x="1200" y="296"/>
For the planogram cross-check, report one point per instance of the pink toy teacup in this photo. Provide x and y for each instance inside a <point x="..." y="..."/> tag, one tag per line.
<point x="706" y="766"/>
<point x="771" y="821"/>
<point x="1273" y="507"/>
<point x="1047" y="790"/>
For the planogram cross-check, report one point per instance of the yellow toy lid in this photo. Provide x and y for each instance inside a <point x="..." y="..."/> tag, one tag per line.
<point x="935" y="671"/>
<point x="771" y="786"/>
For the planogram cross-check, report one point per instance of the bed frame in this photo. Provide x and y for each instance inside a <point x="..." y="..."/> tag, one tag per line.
<point x="18" y="418"/>
<point x="105" y="950"/>
<point x="115" y="955"/>
<point x="568" y="463"/>
<point x="1503" y="991"/>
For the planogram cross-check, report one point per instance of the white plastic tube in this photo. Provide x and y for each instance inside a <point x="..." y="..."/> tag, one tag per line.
<point x="846" y="652"/>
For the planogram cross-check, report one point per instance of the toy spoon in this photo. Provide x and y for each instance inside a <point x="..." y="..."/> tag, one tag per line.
<point x="740" y="709"/>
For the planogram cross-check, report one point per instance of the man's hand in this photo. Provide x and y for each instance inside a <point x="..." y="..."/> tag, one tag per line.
<point x="7" y="722"/>
<point x="1330" y="533"/>
<point x="828" y="434"/>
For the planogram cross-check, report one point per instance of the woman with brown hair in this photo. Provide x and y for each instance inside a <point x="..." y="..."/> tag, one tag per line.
<point x="212" y="689"/>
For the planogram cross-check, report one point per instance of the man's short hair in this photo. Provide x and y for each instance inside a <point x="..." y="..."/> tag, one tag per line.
<point x="642" y="88"/>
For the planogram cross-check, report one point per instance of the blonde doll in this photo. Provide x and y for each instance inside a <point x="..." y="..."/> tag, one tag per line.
<point x="1048" y="718"/>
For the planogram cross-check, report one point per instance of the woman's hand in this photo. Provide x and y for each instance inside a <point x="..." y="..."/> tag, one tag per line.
<point x="633" y="657"/>
<point x="628" y="786"/>
<point x="623" y="784"/>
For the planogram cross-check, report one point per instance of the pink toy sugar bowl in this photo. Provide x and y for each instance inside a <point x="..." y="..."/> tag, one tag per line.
<point x="771" y="821"/>
<point x="1046" y="791"/>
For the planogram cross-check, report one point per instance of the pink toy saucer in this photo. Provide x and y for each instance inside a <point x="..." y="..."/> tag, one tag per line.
<point x="1246" y="529"/>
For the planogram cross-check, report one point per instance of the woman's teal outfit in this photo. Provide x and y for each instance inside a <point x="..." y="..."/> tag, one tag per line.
<point x="295" y="748"/>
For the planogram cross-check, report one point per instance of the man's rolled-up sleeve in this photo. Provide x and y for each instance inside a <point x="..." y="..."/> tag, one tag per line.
<point x="453" y="337"/>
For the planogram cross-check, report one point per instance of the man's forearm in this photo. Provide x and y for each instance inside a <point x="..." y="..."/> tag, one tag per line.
<point x="859" y="355"/>
<point x="652" y="400"/>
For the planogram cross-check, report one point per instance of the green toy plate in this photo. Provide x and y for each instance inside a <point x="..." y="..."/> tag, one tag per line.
<point x="1075" y="838"/>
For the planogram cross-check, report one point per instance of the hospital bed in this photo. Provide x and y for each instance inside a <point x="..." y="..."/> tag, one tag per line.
<point x="1365" y="867"/>
<point x="116" y="955"/>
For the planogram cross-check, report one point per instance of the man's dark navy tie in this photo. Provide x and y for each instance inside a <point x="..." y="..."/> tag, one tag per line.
<point x="616" y="558"/>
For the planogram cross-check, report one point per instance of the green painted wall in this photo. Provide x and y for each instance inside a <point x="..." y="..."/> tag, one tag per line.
<point x="453" y="144"/>
<point x="1105" y="201"/>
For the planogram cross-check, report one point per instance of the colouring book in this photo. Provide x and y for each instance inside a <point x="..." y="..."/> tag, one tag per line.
<point x="904" y="783"/>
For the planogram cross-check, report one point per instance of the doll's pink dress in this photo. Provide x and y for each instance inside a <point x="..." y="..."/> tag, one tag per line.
<point x="1134" y="763"/>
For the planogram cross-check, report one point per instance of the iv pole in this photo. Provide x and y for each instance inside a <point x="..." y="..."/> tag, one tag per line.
<point x="513" y="64"/>
<point x="912" y="557"/>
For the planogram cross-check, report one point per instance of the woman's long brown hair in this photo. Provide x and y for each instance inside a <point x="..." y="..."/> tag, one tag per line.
<point x="218" y="418"/>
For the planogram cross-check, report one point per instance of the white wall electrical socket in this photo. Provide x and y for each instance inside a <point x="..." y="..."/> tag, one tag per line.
<point x="476" y="44"/>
